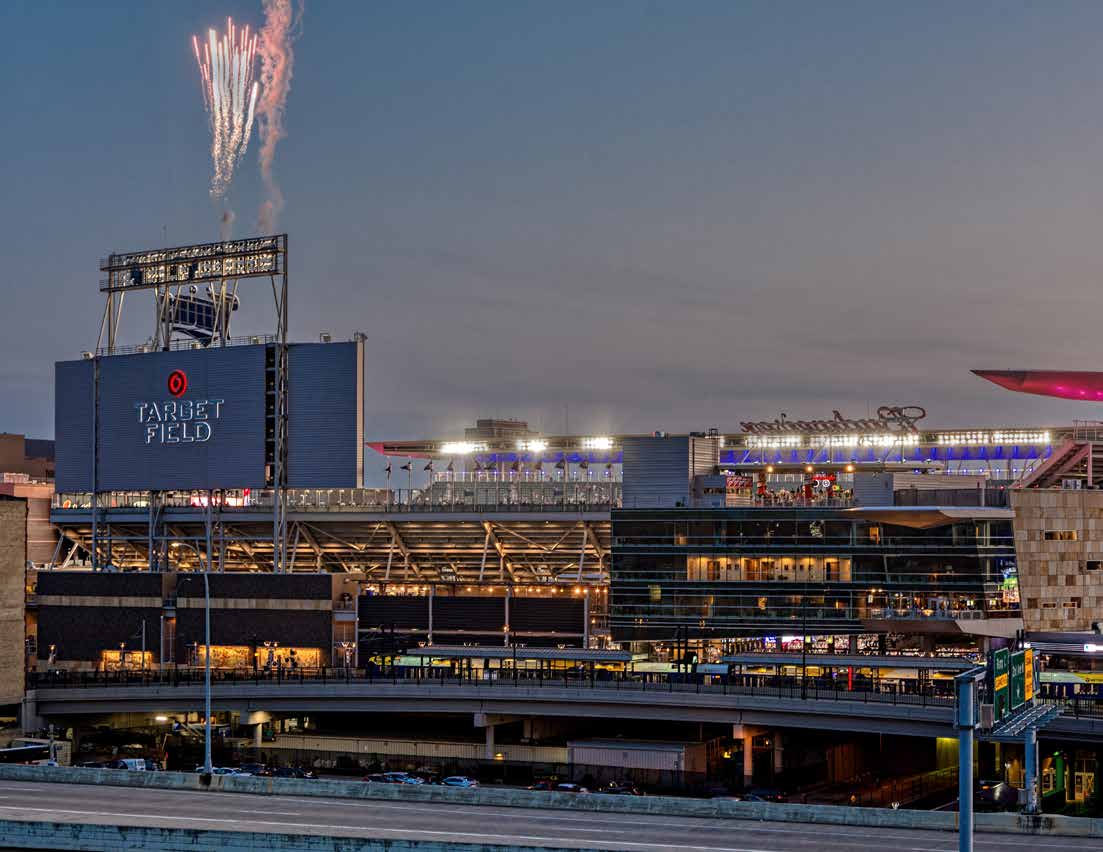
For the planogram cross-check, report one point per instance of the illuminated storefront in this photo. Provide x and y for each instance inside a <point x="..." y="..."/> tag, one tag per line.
<point x="269" y="656"/>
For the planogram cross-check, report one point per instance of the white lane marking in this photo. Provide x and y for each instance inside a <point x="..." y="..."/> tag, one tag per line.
<point x="450" y="834"/>
<point x="745" y="824"/>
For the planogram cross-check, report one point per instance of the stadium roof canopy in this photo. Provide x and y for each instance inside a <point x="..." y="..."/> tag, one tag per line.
<point x="1063" y="384"/>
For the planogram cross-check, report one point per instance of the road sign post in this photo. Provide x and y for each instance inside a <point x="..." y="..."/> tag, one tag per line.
<point x="965" y="720"/>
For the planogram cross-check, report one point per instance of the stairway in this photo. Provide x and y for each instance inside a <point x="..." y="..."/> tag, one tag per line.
<point x="1073" y="460"/>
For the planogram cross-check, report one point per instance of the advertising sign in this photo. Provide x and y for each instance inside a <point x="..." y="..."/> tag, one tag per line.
<point x="1001" y="664"/>
<point x="199" y="419"/>
<point x="890" y="418"/>
<point x="166" y="421"/>
<point x="230" y="259"/>
<point x="1028" y="681"/>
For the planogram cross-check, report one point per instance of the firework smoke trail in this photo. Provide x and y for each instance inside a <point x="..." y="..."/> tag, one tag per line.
<point x="276" y="60"/>
<point x="226" y="75"/>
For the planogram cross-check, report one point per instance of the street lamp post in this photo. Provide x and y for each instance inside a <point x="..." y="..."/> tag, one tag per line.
<point x="804" y="643"/>
<point x="208" y="767"/>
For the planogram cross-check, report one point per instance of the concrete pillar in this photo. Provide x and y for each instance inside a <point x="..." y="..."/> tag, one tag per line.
<point x="509" y="594"/>
<point x="258" y="736"/>
<point x="489" y="742"/>
<point x="746" y="733"/>
<point x="432" y="594"/>
<point x="853" y="647"/>
<point x="586" y="617"/>
<point x="748" y="759"/>
<point x="779" y="753"/>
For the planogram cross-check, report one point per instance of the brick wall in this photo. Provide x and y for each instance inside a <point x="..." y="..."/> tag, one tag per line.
<point x="13" y="559"/>
<point x="1059" y="550"/>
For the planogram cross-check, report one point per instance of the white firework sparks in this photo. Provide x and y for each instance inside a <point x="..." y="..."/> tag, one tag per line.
<point x="226" y="67"/>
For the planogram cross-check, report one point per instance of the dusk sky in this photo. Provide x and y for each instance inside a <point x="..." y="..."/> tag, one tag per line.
<point x="666" y="215"/>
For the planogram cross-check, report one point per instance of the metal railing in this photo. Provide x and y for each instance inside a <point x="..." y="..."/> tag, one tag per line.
<point x="932" y="694"/>
<point x="1087" y="430"/>
<point x="936" y="694"/>
<point x="492" y="496"/>
<point x="245" y="340"/>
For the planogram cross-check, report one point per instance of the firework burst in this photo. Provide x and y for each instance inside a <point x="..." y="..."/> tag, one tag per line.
<point x="226" y="66"/>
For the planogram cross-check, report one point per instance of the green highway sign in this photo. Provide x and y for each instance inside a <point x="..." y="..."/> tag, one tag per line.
<point x="1001" y="705"/>
<point x="1018" y="679"/>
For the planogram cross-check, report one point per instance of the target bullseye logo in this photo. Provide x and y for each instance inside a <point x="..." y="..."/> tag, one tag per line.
<point x="178" y="382"/>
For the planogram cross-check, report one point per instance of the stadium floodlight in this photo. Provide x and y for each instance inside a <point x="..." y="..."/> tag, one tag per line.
<point x="536" y="445"/>
<point x="598" y="443"/>
<point x="462" y="448"/>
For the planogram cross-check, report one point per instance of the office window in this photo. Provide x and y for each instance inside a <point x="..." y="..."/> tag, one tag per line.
<point x="1060" y="535"/>
<point x="1093" y="564"/>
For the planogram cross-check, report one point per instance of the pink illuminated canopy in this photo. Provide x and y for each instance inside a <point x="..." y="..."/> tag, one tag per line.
<point x="1064" y="384"/>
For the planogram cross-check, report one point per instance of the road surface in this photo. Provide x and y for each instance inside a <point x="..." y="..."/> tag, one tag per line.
<point x="424" y="821"/>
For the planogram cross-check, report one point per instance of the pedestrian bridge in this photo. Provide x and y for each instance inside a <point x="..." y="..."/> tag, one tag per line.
<point x="759" y="702"/>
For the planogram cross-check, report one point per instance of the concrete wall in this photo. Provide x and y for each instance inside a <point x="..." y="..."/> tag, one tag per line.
<point x="67" y="835"/>
<point x="503" y="797"/>
<point x="13" y="561"/>
<point x="1054" y="575"/>
<point x="41" y="536"/>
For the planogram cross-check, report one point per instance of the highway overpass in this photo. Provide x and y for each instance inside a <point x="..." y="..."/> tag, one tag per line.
<point x="784" y="706"/>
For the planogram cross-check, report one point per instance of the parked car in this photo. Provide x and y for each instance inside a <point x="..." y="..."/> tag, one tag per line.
<point x="393" y="778"/>
<point x="134" y="764"/>
<point x="294" y="772"/>
<point x="765" y="794"/>
<point x="459" y="781"/>
<point x="255" y="769"/>
<point x="620" y="788"/>
<point x="995" y="796"/>
<point x="543" y="785"/>
<point x="570" y="788"/>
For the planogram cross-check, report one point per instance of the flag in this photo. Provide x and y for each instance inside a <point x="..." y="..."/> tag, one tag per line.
<point x="429" y="467"/>
<point x="388" y="469"/>
<point x="451" y="466"/>
<point x="405" y="466"/>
